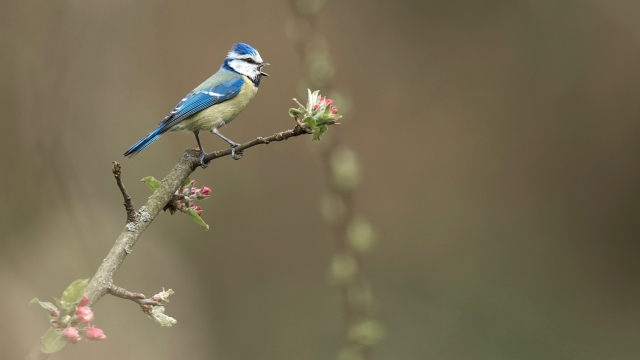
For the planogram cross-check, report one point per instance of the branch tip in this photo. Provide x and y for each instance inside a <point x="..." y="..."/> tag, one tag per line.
<point x="298" y="130"/>
<point x="138" y="298"/>
<point x="128" y="203"/>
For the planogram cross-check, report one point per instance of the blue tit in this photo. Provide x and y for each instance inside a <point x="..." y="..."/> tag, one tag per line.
<point x="216" y="102"/>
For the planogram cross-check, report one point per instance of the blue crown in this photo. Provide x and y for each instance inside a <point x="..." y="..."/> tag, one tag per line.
<point x="243" y="49"/>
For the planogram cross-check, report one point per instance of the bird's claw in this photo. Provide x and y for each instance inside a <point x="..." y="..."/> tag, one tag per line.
<point x="233" y="152"/>
<point x="204" y="166"/>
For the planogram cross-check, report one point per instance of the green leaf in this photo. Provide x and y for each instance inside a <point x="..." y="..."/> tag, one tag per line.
<point x="312" y="123"/>
<point x="152" y="182"/>
<point x="194" y="215"/>
<point x="64" y="307"/>
<point x="157" y="314"/>
<point x="186" y="181"/>
<point x="60" y="304"/>
<point x="318" y="134"/>
<point x="293" y="112"/>
<point x="301" y="106"/>
<point x="324" y="121"/>
<point x="44" y="304"/>
<point x="52" y="341"/>
<point x="327" y="111"/>
<point x="73" y="294"/>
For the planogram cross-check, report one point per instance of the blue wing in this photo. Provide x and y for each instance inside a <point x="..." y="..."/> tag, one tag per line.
<point x="195" y="101"/>
<point x="199" y="100"/>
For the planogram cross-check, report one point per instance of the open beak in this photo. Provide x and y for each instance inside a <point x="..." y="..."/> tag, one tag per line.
<point x="261" y="66"/>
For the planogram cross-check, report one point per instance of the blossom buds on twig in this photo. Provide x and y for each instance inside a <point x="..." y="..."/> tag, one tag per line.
<point x="198" y="209"/>
<point x="184" y="198"/>
<point x="316" y="115"/>
<point x="84" y="314"/>
<point x="94" y="334"/>
<point x="72" y="336"/>
<point x="84" y="302"/>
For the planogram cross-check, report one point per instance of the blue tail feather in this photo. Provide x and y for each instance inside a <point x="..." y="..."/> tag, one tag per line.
<point x="146" y="141"/>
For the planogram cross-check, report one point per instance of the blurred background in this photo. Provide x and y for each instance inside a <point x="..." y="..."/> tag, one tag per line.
<point x="498" y="146"/>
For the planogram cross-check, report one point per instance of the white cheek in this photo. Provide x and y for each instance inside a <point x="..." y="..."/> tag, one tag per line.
<point x="243" y="68"/>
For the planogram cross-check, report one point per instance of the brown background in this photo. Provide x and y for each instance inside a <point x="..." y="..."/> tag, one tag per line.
<point x="499" y="147"/>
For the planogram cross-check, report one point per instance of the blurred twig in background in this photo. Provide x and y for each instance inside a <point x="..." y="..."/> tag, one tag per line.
<point x="353" y="233"/>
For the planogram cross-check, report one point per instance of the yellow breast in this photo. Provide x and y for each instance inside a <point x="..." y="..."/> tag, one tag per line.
<point x="218" y="115"/>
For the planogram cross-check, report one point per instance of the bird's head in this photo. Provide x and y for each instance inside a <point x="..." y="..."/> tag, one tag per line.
<point x="245" y="60"/>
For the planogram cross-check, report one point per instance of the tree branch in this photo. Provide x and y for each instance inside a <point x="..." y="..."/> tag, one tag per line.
<point x="128" y="204"/>
<point x="137" y="221"/>
<point x="284" y="135"/>
<point x="103" y="279"/>
<point x="138" y="298"/>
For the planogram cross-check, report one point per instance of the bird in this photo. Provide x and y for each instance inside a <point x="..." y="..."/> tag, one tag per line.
<point x="215" y="102"/>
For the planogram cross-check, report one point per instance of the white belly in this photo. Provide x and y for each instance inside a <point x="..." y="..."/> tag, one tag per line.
<point x="217" y="115"/>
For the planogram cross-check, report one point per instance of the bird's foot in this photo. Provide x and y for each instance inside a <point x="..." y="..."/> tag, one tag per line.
<point x="234" y="153"/>
<point x="202" y="163"/>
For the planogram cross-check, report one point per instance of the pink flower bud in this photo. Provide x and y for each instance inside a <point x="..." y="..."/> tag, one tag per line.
<point x="206" y="191"/>
<point x="334" y="111"/>
<point x="198" y="209"/>
<point x="84" y="301"/>
<point x="321" y="99"/>
<point x="329" y="102"/>
<point x="72" y="336"/>
<point x="84" y="314"/>
<point x="95" y="334"/>
<point x="315" y="107"/>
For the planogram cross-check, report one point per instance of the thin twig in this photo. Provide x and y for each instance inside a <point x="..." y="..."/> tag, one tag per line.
<point x="145" y="304"/>
<point x="284" y="135"/>
<point x="128" y="204"/>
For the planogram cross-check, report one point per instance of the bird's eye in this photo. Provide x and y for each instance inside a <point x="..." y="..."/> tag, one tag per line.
<point x="250" y="60"/>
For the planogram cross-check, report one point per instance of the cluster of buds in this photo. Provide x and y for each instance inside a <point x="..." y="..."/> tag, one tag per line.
<point x="73" y="331"/>
<point x="317" y="115"/>
<point x="70" y="319"/>
<point x="327" y="102"/>
<point x="184" y="198"/>
<point x="73" y="335"/>
<point x="187" y="195"/>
